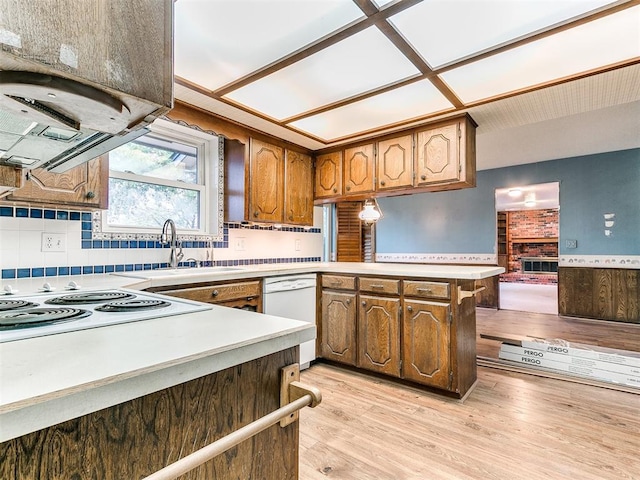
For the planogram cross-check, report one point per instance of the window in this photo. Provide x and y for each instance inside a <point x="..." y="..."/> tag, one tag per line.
<point x="171" y="172"/>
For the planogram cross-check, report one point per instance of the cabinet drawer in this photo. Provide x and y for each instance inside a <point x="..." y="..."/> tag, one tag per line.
<point x="339" y="281"/>
<point x="427" y="289"/>
<point x="218" y="293"/>
<point x="379" y="285"/>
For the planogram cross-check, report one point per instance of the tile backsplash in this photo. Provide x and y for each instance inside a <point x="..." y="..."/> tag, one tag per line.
<point x="86" y="250"/>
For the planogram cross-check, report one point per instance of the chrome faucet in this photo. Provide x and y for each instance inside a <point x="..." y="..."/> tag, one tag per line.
<point x="170" y="237"/>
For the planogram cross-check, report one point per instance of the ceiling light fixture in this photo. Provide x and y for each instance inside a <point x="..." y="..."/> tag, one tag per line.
<point x="530" y="200"/>
<point x="515" y="192"/>
<point x="371" y="212"/>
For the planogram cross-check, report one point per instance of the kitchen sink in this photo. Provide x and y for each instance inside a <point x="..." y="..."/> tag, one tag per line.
<point x="182" y="272"/>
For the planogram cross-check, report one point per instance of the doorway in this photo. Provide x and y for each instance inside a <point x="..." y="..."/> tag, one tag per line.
<point x="527" y="219"/>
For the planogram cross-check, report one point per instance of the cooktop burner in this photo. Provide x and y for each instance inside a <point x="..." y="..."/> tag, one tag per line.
<point x="132" y="305"/>
<point x="15" y="305"/>
<point x="90" y="297"/>
<point x="36" y="317"/>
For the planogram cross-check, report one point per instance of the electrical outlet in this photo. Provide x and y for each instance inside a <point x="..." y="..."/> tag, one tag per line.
<point x="297" y="244"/>
<point x="54" y="242"/>
<point x="571" y="243"/>
<point x="239" y="244"/>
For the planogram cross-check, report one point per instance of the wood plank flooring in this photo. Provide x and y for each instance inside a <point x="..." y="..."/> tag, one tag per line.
<point x="512" y="426"/>
<point x="624" y="336"/>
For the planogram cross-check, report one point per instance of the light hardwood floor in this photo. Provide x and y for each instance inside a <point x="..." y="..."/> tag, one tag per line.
<point x="512" y="426"/>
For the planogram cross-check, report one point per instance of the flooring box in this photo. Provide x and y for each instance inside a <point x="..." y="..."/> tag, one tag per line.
<point x="587" y="372"/>
<point x="592" y="352"/>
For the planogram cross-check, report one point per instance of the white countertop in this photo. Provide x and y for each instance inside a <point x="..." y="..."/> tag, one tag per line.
<point x="47" y="380"/>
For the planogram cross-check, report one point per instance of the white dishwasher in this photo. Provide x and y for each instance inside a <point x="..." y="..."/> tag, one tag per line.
<point x="293" y="296"/>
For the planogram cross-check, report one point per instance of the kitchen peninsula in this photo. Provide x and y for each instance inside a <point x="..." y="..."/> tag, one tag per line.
<point x="80" y="402"/>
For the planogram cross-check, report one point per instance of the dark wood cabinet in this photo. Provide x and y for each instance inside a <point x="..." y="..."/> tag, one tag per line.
<point x="358" y="169"/>
<point x="338" y="337"/>
<point x="246" y="295"/>
<point x="328" y="175"/>
<point x="420" y="330"/>
<point x="266" y="179"/>
<point x="502" y="226"/>
<point x="379" y="334"/>
<point x="394" y="165"/>
<point x="433" y="157"/>
<point x="298" y="188"/>
<point x="426" y="343"/>
<point x="84" y="186"/>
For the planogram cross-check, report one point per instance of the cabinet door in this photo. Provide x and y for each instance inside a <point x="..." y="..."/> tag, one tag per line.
<point x="395" y="163"/>
<point x="339" y="327"/>
<point x="358" y="169"/>
<point x="379" y="334"/>
<point x="438" y="155"/>
<point x="329" y="175"/>
<point x="266" y="178"/>
<point x="426" y="343"/>
<point x="298" y="189"/>
<point x="83" y="186"/>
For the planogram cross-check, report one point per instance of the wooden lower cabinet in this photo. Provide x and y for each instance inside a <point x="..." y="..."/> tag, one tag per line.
<point x="379" y="334"/>
<point x="338" y="338"/>
<point x="245" y="295"/>
<point x="415" y="329"/>
<point x="426" y="341"/>
<point x="136" y="438"/>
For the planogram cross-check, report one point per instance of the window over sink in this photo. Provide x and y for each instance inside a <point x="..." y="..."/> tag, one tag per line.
<point x="174" y="171"/>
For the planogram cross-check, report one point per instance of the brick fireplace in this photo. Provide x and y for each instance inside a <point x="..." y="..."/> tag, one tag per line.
<point x="532" y="241"/>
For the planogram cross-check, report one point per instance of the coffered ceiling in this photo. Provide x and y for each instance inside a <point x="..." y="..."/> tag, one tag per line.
<point x="321" y="73"/>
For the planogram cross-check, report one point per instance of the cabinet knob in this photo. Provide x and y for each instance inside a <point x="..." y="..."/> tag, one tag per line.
<point x="348" y="188"/>
<point x="255" y="214"/>
<point x="291" y="217"/>
<point x="335" y="190"/>
<point x="410" y="308"/>
<point x="423" y="177"/>
<point x="348" y="301"/>
<point x="214" y="293"/>
<point x="364" y="304"/>
<point x="383" y="183"/>
<point x="90" y="195"/>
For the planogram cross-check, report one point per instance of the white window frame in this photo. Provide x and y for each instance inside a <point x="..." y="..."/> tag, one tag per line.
<point x="210" y="179"/>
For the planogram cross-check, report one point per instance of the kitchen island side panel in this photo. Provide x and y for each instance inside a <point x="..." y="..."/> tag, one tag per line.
<point x="138" y="437"/>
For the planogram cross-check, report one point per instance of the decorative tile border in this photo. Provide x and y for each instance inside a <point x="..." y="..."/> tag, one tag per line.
<point x="455" y="258"/>
<point x="13" y="273"/>
<point x="93" y="238"/>
<point x="600" y="261"/>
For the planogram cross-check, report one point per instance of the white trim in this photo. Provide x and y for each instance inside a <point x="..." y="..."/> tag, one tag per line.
<point x="600" y="261"/>
<point x="455" y="258"/>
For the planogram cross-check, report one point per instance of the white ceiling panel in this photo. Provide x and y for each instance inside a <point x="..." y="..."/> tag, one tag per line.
<point x="387" y="108"/>
<point x="606" y="41"/>
<point x="345" y="69"/>
<point x="218" y="41"/>
<point x="444" y="30"/>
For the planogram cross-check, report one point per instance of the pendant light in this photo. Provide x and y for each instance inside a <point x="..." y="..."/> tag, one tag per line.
<point x="371" y="212"/>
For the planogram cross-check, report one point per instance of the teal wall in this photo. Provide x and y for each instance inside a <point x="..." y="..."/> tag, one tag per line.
<point x="464" y="221"/>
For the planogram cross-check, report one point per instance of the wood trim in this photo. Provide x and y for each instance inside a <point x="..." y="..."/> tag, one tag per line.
<point x="534" y="240"/>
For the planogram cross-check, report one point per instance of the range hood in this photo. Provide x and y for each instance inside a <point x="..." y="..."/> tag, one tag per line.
<point x="71" y="91"/>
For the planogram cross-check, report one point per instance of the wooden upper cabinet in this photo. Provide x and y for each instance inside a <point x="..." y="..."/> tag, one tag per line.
<point x="266" y="178"/>
<point x="298" y="188"/>
<point x="438" y="155"/>
<point x="395" y="163"/>
<point x="445" y="154"/>
<point x="84" y="186"/>
<point x="358" y="169"/>
<point x="329" y="175"/>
